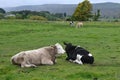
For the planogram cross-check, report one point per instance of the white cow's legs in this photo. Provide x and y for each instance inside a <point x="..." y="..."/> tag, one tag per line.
<point x="24" y="64"/>
<point x="28" y="65"/>
<point x="78" y="60"/>
<point x="47" y="62"/>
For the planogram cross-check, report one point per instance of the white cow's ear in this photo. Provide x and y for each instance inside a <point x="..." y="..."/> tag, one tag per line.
<point x="57" y="44"/>
<point x="53" y="46"/>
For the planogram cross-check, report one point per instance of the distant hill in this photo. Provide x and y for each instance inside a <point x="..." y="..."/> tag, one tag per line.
<point x="107" y="9"/>
<point x="53" y="8"/>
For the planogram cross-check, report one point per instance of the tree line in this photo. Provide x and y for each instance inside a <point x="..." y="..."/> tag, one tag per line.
<point x="27" y="14"/>
<point x="83" y="12"/>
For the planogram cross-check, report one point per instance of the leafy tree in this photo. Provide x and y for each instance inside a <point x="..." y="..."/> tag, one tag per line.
<point x="26" y="14"/>
<point x="96" y="15"/>
<point x="65" y="14"/>
<point x="1" y="16"/>
<point x="38" y="18"/>
<point x="2" y="11"/>
<point x="59" y="15"/>
<point x="83" y="11"/>
<point x="21" y="14"/>
<point x="44" y="13"/>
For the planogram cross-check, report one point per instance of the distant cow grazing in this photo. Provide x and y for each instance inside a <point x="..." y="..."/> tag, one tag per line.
<point x="71" y="23"/>
<point x="32" y="58"/>
<point x="79" y="24"/>
<point x="78" y="54"/>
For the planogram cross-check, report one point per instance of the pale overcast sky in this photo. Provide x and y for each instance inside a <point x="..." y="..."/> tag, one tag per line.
<point x="14" y="3"/>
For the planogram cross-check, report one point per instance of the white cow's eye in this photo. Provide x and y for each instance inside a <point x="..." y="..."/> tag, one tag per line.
<point x="59" y="48"/>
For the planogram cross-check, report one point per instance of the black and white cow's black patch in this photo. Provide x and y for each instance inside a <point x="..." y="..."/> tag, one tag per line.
<point x="78" y="54"/>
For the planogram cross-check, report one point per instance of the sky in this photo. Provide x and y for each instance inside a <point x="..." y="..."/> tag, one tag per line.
<point x="14" y="3"/>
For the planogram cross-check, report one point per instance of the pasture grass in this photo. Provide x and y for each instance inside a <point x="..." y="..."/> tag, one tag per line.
<point x="102" y="39"/>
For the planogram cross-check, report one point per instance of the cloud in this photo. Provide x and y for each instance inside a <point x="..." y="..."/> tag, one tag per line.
<point x="13" y="3"/>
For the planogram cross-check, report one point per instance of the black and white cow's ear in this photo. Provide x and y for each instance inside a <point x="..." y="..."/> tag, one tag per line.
<point x="70" y="43"/>
<point x="64" y="43"/>
<point x="67" y="43"/>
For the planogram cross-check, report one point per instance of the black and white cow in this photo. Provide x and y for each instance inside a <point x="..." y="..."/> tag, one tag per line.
<point x="78" y="54"/>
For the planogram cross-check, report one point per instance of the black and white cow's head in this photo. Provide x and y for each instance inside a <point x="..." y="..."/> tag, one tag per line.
<point x="69" y="50"/>
<point x="78" y="54"/>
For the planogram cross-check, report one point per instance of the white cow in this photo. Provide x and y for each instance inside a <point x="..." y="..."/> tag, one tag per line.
<point x="79" y="24"/>
<point x="32" y="58"/>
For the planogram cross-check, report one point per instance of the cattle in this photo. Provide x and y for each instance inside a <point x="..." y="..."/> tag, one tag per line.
<point x="33" y="58"/>
<point x="71" y="23"/>
<point x="78" y="54"/>
<point x="79" y="24"/>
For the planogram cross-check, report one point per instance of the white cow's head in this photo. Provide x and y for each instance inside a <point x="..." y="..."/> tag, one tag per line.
<point x="60" y="49"/>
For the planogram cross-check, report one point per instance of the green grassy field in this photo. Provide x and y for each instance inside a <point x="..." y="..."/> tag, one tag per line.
<point x="102" y="39"/>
